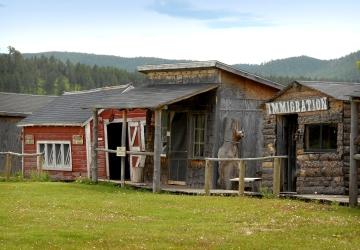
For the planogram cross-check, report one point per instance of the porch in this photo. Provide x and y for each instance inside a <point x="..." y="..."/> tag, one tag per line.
<point x="342" y="200"/>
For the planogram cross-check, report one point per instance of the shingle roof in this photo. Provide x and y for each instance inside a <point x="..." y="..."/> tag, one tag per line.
<point x="14" y="104"/>
<point x="68" y="108"/>
<point x="209" y="64"/>
<point x="154" y="96"/>
<point x="338" y="90"/>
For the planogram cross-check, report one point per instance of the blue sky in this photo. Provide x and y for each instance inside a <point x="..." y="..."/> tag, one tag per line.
<point x="230" y="31"/>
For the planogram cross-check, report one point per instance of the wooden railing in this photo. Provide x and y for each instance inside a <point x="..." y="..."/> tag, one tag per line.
<point x="8" y="161"/>
<point x="242" y="170"/>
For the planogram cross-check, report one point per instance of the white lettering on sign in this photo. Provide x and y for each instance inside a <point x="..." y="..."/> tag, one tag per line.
<point x="297" y="106"/>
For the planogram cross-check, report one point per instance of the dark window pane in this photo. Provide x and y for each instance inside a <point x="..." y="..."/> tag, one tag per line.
<point x="329" y="136"/>
<point x="314" y="137"/>
<point x="321" y="137"/>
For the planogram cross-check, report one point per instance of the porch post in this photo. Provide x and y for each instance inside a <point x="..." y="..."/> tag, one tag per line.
<point x="94" y="165"/>
<point x="353" y="187"/>
<point x="157" y="152"/>
<point x="123" y="144"/>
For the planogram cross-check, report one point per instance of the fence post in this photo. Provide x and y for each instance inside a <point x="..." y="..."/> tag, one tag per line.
<point x="8" y="166"/>
<point x="276" y="176"/>
<point x="241" y="177"/>
<point x="41" y="163"/>
<point x="207" y="177"/>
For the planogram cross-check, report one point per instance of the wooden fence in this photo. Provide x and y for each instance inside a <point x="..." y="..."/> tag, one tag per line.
<point x="242" y="168"/>
<point x="8" y="161"/>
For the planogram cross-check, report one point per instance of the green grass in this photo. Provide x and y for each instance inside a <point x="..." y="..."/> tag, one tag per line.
<point x="78" y="216"/>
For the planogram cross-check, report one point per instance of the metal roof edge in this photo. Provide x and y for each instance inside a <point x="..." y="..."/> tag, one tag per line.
<point x="49" y="125"/>
<point x="15" y="114"/>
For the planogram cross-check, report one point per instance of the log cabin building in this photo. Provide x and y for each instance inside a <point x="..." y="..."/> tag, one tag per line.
<point x="62" y="130"/>
<point x="310" y="122"/>
<point x="189" y="110"/>
<point x="14" y="107"/>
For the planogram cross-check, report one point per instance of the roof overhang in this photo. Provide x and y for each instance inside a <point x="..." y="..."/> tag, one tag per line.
<point x="155" y="96"/>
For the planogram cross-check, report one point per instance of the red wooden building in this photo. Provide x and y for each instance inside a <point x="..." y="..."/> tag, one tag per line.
<point x="62" y="130"/>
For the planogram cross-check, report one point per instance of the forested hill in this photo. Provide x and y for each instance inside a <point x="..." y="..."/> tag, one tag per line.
<point x="129" y="64"/>
<point x="48" y="75"/>
<point x="282" y="70"/>
<point x="341" y="69"/>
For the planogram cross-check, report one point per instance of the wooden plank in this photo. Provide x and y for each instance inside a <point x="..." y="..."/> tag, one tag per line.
<point x="8" y="166"/>
<point x="241" y="177"/>
<point x="353" y="185"/>
<point x="157" y="152"/>
<point x="123" y="144"/>
<point x="94" y="167"/>
<point x="276" y="177"/>
<point x="243" y="159"/>
<point x="208" y="177"/>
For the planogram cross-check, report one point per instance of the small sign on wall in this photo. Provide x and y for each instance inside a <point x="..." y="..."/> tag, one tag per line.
<point x="29" y="139"/>
<point x="121" y="151"/>
<point x="77" y="140"/>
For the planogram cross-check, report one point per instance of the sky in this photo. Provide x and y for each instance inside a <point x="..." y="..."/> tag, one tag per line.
<point x="231" y="31"/>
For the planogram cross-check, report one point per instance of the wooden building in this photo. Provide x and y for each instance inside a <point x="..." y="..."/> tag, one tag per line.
<point x="190" y="108"/>
<point x="62" y="129"/>
<point x="13" y="108"/>
<point x="310" y="122"/>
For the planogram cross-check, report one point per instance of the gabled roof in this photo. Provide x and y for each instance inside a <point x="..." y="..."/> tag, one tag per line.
<point x="154" y="96"/>
<point x="338" y="90"/>
<point x="209" y="64"/>
<point x="14" y="104"/>
<point x="68" y="109"/>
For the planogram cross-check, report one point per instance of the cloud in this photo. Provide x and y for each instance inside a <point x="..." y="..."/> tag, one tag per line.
<point x="213" y="18"/>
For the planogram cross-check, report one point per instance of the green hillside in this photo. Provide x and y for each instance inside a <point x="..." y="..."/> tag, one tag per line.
<point x="341" y="69"/>
<point x="282" y="70"/>
<point x="126" y="63"/>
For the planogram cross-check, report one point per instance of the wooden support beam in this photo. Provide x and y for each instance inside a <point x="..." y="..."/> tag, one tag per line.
<point x="123" y="144"/>
<point x="94" y="163"/>
<point x="241" y="177"/>
<point x="208" y="177"/>
<point x="353" y="186"/>
<point x="8" y="166"/>
<point x="157" y="152"/>
<point x="276" y="176"/>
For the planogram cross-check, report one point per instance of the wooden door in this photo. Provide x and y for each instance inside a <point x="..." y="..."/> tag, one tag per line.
<point x="178" y="149"/>
<point x="136" y="139"/>
<point x="286" y="145"/>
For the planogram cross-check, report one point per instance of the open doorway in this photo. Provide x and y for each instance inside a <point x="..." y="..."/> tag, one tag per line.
<point x="178" y="149"/>
<point x="114" y="131"/>
<point x="286" y="145"/>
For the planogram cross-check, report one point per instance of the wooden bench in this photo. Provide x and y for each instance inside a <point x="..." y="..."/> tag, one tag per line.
<point x="251" y="180"/>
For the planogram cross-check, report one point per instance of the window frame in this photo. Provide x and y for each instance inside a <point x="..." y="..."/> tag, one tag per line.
<point x="193" y="134"/>
<point x="320" y="149"/>
<point x="57" y="167"/>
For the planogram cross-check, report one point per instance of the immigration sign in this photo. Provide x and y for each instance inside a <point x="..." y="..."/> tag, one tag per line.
<point x="297" y="106"/>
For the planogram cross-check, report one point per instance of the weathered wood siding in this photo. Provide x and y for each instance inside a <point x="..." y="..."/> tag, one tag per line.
<point x="10" y="140"/>
<point x="240" y="98"/>
<point x="323" y="172"/>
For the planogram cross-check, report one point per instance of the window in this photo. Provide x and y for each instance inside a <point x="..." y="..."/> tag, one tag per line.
<point x="320" y="137"/>
<point x="57" y="155"/>
<point x="199" y="121"/>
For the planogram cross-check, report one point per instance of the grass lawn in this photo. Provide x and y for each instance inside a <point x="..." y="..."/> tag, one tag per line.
<point x="43" y="215"/>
